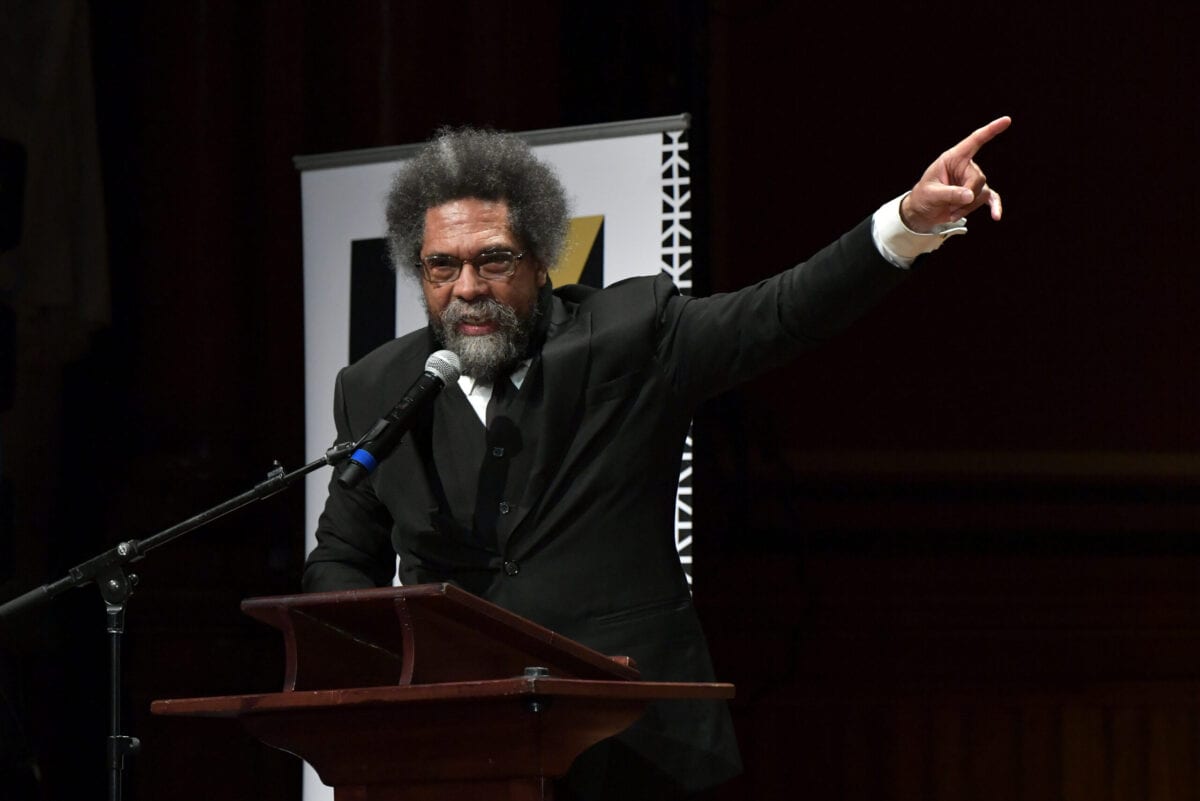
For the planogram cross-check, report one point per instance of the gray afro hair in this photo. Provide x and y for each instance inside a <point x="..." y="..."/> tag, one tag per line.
<point x="488" y="165"/>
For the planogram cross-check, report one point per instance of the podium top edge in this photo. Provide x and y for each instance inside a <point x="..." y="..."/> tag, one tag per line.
<point x="461" y="692"/>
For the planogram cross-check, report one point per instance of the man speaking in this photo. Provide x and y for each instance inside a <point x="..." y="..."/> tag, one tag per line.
<point x="544" y="479"/>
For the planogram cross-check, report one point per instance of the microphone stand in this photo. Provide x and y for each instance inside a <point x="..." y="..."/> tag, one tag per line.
<point x="107" y="571"/>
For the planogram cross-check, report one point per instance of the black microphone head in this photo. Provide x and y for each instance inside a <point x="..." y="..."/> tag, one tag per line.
<point x="444" y="365"/>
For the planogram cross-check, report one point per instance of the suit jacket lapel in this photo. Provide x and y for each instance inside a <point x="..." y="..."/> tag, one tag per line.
<point x="564" y="365"/>
<point x="406" y="468"/>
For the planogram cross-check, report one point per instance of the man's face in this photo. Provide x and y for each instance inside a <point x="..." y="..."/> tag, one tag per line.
<point x="487" y="323"/>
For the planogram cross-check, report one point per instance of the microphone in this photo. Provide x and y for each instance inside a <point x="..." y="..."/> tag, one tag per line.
<point x="440" y="369"/>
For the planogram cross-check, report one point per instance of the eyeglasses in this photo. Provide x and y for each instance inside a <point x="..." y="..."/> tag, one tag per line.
<point x="491" y="265"/>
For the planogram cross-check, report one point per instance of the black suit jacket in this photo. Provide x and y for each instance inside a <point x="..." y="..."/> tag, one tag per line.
<point x="587" y="548"/>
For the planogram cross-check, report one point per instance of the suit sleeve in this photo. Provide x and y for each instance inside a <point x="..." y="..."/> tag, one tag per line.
<point x="708" y="345"/>
<point x="354" y="549"/>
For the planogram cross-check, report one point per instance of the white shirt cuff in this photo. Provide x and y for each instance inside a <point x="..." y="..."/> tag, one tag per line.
<point x="900" y="246"/>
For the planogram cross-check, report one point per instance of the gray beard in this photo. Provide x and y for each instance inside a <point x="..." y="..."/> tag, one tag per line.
<point x="485" y="357"/>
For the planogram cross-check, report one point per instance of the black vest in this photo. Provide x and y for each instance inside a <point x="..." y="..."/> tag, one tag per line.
<point x="479" y="474"/>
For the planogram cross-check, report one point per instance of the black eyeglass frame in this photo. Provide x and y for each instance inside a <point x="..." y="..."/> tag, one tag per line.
<point x="457" y="264"/>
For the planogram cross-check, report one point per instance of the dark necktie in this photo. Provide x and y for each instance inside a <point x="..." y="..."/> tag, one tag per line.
<point x="503" y="392"/>
<point x="489" y="502"/>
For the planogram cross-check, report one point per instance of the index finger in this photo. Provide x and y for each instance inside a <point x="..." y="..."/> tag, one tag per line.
<point x="968" y="147"/>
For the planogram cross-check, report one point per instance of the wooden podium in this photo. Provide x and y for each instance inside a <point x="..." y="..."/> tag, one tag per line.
<point x="428" y="692"/>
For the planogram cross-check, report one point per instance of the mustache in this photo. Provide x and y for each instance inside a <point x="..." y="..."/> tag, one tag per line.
<point x="480" y="310"/>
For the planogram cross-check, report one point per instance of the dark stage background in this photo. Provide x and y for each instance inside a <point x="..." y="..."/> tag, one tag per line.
<point x="950" y="555"/>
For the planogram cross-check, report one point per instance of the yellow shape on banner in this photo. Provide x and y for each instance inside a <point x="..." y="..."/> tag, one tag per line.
<point x="581" y="237"/>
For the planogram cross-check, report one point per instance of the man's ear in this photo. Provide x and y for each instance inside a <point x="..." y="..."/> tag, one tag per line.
<point x="541" y="276"/>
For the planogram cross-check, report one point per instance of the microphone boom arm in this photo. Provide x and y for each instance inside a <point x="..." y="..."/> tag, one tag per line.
<point x="105" y="567"/>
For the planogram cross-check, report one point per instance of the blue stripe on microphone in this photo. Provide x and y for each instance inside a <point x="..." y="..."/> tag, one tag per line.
<point x="365" y="459"/>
